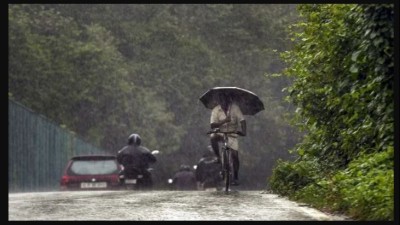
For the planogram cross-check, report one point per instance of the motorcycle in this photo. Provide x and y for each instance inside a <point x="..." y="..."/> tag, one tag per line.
<point x="186" y="186"/>
<point x="208" y="174"/>
<point x="134" y="178"/>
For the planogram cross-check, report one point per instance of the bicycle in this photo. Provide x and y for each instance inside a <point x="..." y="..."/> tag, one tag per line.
<point x="226" y="158"/>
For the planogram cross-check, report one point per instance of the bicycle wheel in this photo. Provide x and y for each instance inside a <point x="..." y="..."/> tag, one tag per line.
<point x="227" y="169"/>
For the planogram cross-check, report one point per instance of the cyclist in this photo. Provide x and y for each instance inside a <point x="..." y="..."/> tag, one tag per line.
<point x="227" y="117"/>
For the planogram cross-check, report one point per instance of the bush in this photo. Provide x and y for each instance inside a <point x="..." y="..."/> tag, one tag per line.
<point x="367" y="186"/>
<point x="364" y="190"/>
<point x="288" y="177"/>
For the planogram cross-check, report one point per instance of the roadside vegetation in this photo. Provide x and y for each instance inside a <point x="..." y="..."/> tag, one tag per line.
<point x="343" y="65"/>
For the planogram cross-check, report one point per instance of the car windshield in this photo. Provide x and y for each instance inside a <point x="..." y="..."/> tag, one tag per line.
<point x="93" y="167"/>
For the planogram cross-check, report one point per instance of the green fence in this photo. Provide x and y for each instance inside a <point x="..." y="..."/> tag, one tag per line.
<point x="38" y="150"/>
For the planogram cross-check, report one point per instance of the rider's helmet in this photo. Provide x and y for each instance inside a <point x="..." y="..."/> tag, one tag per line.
<point x="134" y="139"/>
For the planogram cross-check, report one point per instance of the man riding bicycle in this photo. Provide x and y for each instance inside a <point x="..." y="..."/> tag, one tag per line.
<point x="227" y="117"/>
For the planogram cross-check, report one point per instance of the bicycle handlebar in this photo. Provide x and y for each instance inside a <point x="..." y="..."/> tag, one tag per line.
<point x="222" y="132"/>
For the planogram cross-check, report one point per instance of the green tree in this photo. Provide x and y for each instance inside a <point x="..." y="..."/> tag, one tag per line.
<point x="76" y="76"/>
<point x="107" y="70"/>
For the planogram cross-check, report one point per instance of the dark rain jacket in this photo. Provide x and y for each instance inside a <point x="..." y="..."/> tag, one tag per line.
<point x="184" y="180"/>
<point x="207" y="171"/>
<point x="138" y="157"/>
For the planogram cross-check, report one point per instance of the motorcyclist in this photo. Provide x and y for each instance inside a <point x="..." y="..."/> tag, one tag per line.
<point x="184" y="179"/>
<point x="208" y="171"/>
<point x="134" y="157"/>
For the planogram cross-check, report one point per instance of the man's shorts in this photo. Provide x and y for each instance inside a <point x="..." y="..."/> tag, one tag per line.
<point x="232" y="142"/>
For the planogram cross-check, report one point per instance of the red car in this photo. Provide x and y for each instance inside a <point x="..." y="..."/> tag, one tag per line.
<point x="91" y="172"/>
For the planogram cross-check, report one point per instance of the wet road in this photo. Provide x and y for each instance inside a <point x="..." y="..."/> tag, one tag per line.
<point x="158" y="205"/>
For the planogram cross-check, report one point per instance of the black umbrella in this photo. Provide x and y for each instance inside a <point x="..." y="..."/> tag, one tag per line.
<point x="249" y="103"/>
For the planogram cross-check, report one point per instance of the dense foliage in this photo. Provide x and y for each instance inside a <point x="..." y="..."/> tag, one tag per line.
<point x="343" y="65"/>
<point x="107" y="70"/>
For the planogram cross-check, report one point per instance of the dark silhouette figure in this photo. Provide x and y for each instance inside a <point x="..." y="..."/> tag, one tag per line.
<point x="208" y="171"/>
<point x="184" y="179"/>
<point x="136" y="159"/>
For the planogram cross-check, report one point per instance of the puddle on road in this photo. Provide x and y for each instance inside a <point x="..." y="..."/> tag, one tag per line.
<point x="159" y="205"/>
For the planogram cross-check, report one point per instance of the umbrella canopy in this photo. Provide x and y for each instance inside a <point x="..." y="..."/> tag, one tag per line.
<point x="249" y="103"/>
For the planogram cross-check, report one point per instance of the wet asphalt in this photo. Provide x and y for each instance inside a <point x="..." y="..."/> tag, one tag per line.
<point x="160" y="206"/>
